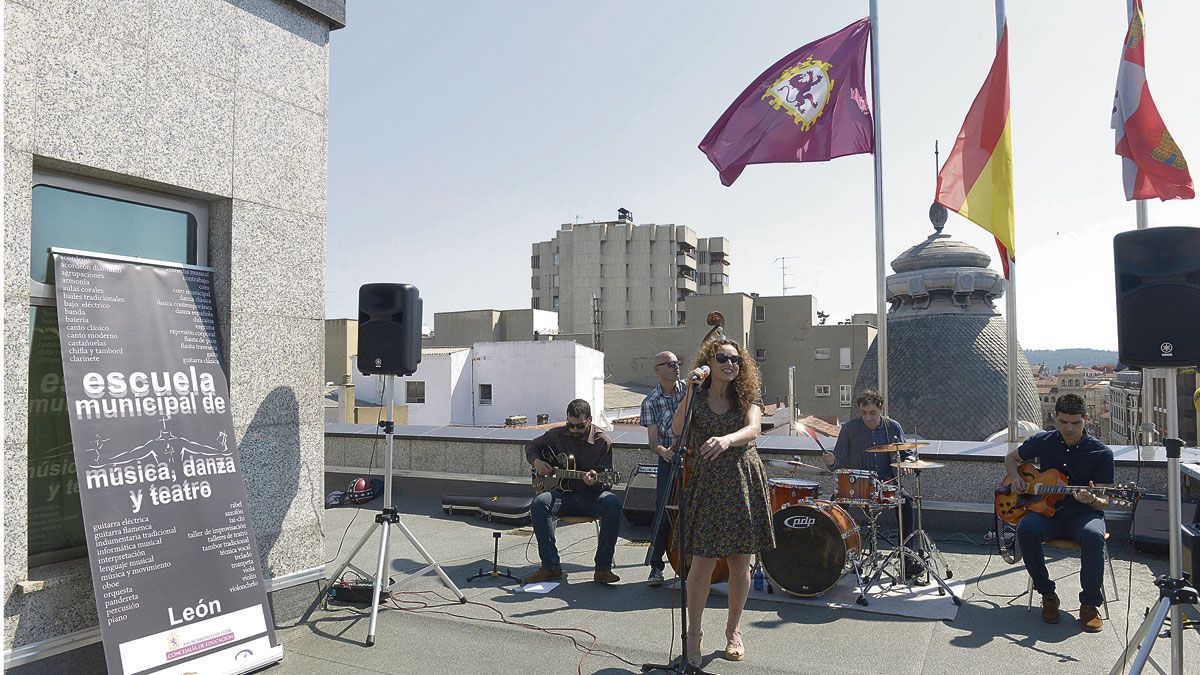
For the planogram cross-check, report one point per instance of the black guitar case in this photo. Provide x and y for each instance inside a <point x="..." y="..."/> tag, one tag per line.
<point x="506" y="510"/>
<point x="503" y="510"/>
<point x="461" y="505"/>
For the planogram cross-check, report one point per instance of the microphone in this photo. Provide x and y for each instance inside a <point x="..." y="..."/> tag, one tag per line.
<point x="704" y="371"/>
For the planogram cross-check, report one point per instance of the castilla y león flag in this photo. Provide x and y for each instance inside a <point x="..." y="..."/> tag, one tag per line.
<point x="808" y="107"/>
<point x="977" y="180"/>
<point x="1153" y="165"/>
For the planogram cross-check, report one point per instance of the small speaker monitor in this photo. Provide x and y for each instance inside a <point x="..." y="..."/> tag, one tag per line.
<point x="389" y="329"/>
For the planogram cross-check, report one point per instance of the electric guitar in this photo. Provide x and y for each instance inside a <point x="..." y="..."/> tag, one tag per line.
<point x="564" y="470"/>
<point x="1045" y="489"/>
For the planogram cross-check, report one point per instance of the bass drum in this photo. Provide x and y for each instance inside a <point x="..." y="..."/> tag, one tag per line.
<point x="814" y="544"/>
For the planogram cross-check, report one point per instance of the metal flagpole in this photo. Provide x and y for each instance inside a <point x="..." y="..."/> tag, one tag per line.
<point x="1010" y="311"/>
<point x="880" y="272"/>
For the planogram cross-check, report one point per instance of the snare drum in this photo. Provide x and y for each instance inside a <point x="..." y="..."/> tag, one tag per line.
<point x="887" y="494"/>
<point x="815" y="544"/>
<point x="855" y="486"/>
<point x="787" y="491"/>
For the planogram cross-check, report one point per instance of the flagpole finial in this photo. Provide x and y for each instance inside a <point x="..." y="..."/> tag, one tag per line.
<point x="937" y="216"/>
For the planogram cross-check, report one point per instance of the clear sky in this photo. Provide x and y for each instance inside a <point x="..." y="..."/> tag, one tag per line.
<point x="462" y="132"/>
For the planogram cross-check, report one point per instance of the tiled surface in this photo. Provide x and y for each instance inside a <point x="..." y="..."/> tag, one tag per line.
<point x="947" y="376"/>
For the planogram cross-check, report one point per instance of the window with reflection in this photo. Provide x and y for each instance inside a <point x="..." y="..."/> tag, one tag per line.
<point x="96" y="217"/>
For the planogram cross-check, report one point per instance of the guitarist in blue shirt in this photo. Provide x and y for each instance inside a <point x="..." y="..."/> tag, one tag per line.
<point x="1079" y="517"/>
<point x="585" y="496"/>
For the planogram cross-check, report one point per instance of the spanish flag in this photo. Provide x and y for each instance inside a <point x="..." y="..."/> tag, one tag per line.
<point x="976" y="181"/>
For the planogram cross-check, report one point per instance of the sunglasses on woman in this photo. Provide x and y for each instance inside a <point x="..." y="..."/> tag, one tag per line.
<point x="722" y="357"/>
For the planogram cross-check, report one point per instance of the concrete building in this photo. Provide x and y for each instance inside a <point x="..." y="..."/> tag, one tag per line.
<point x="640" y="274"/>
<point x="463" y="329"/>
<point x="1124" y="407"/>
<point x="341" y="348"/>
<point x="488" y="382"/>
<point x="208" y="113"/>
<point x="779" y="332"/>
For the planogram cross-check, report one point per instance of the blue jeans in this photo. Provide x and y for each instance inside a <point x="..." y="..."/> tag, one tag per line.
<point x="551" y="504"/>
<point x="1083" y="526"/>
<point x="658" y="540"/>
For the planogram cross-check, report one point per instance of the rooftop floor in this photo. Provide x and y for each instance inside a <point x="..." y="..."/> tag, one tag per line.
<point x="503" y="631"/>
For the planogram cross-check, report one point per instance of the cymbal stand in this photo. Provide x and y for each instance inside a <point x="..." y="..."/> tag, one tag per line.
<point x="905" y="555"/>
<point x="927" y="552"/>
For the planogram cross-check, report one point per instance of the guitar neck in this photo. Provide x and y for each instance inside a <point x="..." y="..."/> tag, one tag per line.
<point x="570" y="473"/>
<point x="1039" y="489"/>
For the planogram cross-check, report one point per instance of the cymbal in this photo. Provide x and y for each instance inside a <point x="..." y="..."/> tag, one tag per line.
<point x="897" y="447"/>
<point x="917" y="464"/>
<point x="798" y="467"/>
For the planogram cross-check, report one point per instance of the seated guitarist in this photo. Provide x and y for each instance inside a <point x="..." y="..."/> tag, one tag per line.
<point x="1079" y="517"/>
<point x="592" y="449"/>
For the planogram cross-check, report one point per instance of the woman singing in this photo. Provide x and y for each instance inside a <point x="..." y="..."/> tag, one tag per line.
<point x="727" y="512"/>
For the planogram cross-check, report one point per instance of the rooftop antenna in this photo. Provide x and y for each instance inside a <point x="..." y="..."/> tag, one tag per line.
<point x="783" y="273"/>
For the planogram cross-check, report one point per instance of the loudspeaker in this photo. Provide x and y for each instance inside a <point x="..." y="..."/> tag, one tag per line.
<point x="640" y="493"/>
<point x="1191" y="551"/>
<point x="389" y="329"/>
<point x="1149" y="530"/>
<point x="1158" y="296"/>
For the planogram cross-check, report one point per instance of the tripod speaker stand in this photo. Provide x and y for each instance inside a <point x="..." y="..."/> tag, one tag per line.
<point x="384" y="521"/>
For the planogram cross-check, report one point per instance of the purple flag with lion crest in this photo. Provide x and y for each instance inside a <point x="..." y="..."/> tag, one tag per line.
<point x="808" y="107"/>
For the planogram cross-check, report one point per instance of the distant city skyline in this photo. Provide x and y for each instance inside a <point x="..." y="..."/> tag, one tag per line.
<point x="460" y="135"/>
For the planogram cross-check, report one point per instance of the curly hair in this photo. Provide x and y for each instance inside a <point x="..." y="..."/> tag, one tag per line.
<point x="745" y="389"/>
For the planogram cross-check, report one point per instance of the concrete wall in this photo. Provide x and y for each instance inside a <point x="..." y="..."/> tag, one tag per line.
<point x="215" y="100"/>
<point x="529" y="378"/>
<point x="969" y="477"/>
<point x="462" y="329"/>
<point x="341" y="348"/>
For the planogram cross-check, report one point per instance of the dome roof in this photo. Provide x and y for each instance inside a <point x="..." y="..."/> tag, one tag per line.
<point x="939" y="250"/>
<point x="948" y="377"/>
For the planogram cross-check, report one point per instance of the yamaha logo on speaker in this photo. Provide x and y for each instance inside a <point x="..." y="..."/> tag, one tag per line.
<point x="378" y="363"/>
<point x="799" y="522"/>
<point x="1166" y="348"/>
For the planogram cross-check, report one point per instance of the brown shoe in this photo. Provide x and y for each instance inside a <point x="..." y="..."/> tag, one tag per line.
<point x="542" y="574"/>
<point x="1050" y="612"/>
<point x="1089" y="619"/>
<point x="605" y="576"/>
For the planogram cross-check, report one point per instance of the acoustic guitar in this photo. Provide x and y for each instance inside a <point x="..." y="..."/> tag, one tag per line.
<point x="564" y="470"/>
<point x="1045" y="489"/>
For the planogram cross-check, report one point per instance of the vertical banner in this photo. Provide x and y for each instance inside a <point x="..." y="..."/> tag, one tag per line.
<point x="174" y="562"/>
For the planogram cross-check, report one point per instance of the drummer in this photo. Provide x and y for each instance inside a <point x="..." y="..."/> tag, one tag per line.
<point x="869" y="430"/>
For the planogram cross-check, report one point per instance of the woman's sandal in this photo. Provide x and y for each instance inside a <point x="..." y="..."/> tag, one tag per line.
<point x="695" y="647"/>
<point x="735" y="650"/>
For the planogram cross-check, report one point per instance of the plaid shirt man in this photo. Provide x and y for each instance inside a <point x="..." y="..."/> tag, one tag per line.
<point x="659" y="408"/>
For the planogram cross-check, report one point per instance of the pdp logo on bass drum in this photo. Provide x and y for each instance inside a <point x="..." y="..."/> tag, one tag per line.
<point x="799" y="522"/>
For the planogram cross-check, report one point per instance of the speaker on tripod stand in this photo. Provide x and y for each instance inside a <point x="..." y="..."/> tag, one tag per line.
<point x="389" y="344"/>
<point x="1157" y="274"/>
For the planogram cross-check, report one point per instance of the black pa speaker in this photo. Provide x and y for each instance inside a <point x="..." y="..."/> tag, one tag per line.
<point x="1158" y="296"/>
<point x="389" y="329"/>
<point x="1150" y="529"/>
<point x="640" y="494"/>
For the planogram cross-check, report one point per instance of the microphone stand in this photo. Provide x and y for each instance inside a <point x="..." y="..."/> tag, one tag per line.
<point x="680" y="665"/>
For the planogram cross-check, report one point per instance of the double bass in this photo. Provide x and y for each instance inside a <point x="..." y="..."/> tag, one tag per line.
<point x="721" y="571"/>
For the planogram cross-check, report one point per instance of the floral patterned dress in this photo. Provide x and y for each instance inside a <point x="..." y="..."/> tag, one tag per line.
<point x="727" y="509"/>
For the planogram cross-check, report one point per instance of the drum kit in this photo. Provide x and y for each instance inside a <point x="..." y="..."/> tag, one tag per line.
<point x="817" y="541"/>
